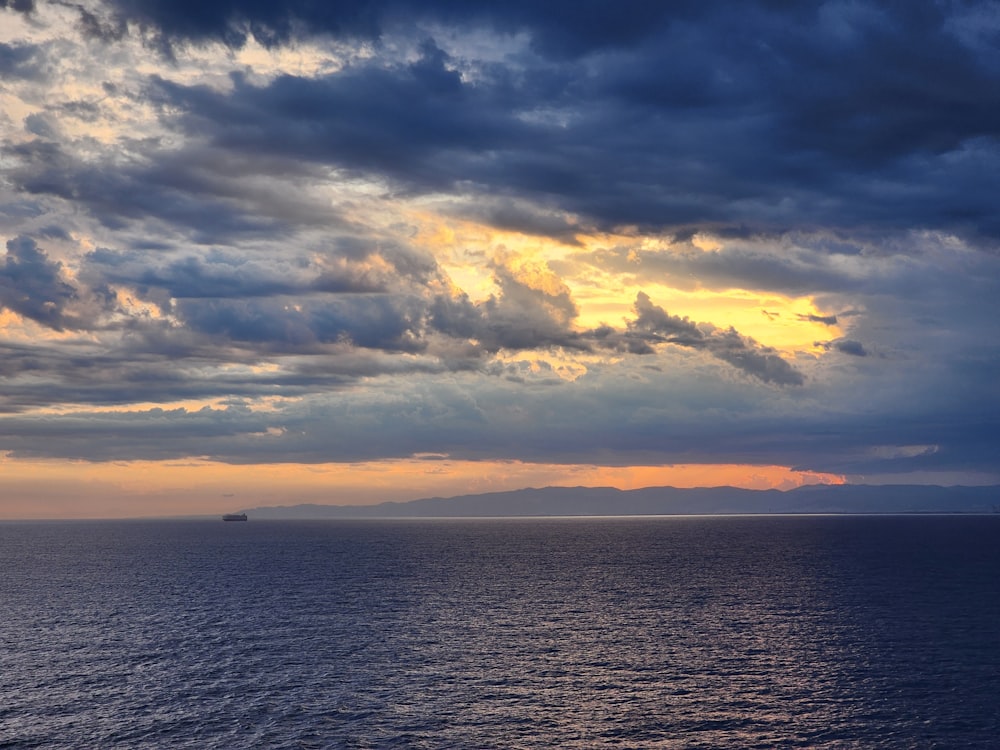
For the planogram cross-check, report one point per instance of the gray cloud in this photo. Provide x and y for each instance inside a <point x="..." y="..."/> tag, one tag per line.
<point x="507" y="214"/>
<point x="836" y="120"/>
<point x="747" y="355"/>
<point x="788" y="265"/>
<point x="828" y="320"/>
<point x="187" y="196"/>
<point x="518" y="318"/>
<point x="654" y="419"/>
<point x="383" y="322"/>
<point x="21" y="6"/>
<point x="653" y="325"/>
<point x="33" y="286"/>
<point x="228" y="275"/>
<point x="21" y="61"/>
<point x="770" y="132"/>
<point x="845" y="346"/>
<point x="559" y="28"/>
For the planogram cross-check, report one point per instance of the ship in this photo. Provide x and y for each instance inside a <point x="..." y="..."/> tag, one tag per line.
<point x="235" y="517"/>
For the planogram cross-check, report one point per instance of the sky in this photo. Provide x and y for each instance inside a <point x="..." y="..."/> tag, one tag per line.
<point x="264" y="253"/>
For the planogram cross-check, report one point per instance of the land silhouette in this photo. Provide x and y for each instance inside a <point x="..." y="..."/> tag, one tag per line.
<point x="609" y="501"/>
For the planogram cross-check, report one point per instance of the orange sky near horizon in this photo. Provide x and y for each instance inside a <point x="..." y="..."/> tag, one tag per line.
<point x="61" y="489"/>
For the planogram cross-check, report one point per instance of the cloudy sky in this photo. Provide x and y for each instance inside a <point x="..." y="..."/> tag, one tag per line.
<point x="278" y="252"/>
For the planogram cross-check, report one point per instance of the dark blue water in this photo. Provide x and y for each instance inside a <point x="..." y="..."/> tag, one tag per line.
<point x="819" y="632"/>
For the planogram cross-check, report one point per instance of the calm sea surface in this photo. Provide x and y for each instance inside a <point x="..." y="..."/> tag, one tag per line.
<point x="818" y="632"/>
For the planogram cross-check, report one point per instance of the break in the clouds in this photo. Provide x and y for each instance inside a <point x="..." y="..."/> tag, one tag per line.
<point x="609" y="233"/>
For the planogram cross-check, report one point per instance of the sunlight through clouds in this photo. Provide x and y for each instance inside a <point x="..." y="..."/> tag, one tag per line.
<point x="544" y="245"/>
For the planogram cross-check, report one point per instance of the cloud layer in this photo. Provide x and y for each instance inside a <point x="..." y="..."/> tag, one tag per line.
<point x="611" y="233"/>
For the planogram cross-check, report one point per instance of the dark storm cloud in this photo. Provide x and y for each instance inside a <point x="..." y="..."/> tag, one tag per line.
<point x="189" y="199"/>
<point x="845" y="346"/>
<point x="559" y="27"/>
<point x="418" y="124"/>
<point x="21" y="6"/>
<point x="509" y="215"/>
<point x="203" y="195"/>
<point x="227" y="275"/>
<point x="385" y="322"/>
<point x="33" y="286"/>
<point x="850" y="346"/>
<point x="761" y="119"/>
<point x="758" y="118"/>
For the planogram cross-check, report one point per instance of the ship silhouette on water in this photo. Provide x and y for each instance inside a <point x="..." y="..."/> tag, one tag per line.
<point x="235" y="517"/>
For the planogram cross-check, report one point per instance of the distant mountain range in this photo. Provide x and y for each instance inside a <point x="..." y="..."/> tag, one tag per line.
<point x="608" y="501"/>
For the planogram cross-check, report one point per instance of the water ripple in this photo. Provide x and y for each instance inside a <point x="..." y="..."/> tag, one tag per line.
<point x="659" y="633"/>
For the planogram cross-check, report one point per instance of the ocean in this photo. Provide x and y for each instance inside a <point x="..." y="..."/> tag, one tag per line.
<point x="670" y="632"/>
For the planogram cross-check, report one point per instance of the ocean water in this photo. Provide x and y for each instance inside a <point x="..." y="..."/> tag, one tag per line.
<point x="742" y="632"/>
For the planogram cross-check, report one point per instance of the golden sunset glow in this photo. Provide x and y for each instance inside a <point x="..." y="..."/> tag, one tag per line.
<point x="470" y="251"/>
<point x="50" y="489"/>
